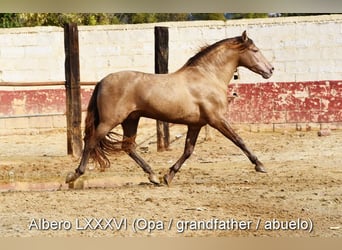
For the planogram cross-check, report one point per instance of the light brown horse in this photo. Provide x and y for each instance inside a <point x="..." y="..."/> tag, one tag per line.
<point x="194" y="95"/>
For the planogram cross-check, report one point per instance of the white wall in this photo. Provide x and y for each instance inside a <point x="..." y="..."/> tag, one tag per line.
<point x="300" y="48"/>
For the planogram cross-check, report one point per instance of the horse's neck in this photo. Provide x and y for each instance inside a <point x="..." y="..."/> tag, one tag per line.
<point x="225" y="73"/>
<point x="218" y="67"/>
<point x="221" y="71"/>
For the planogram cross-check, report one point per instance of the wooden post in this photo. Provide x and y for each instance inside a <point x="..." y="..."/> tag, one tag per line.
<point x="73" y="90"/>
<point x="161" y="48"/>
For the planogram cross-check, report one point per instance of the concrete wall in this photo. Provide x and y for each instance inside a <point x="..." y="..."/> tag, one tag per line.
<point x="305" y="51"/>
<point x="31" y="54"/>
<point x="301" y="48"/>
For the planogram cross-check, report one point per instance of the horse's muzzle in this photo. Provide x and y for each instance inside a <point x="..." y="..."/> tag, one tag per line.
<point x="268" y="74"/>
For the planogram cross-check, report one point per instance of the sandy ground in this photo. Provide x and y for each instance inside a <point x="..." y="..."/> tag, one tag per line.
<point x="216" y="193"/>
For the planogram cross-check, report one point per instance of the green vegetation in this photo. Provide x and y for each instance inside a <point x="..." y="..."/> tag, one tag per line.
<point x="12" y="20"/>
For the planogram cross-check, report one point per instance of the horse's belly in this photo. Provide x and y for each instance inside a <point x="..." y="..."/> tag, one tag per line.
<point x="174" y="113"/>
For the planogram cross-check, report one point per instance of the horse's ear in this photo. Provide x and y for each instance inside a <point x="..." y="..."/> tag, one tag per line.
<point x="244" y="36"/>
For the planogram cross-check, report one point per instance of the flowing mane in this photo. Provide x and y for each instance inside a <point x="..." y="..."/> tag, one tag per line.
<point x="229" y="43"/>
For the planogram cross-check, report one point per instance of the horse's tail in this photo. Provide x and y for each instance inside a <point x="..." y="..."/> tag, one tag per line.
<point x="107" y="144"/>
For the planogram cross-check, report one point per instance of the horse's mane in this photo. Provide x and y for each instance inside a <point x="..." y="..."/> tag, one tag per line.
<point x="233" y="43"/>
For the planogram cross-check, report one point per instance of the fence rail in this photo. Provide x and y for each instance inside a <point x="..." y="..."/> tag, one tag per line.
<point x="30" y="115"/>
<point x="41" y="84"/>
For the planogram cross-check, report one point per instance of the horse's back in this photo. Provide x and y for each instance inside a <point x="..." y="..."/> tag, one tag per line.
<point x="121" y="77"/>
<point x="130" y="87"/>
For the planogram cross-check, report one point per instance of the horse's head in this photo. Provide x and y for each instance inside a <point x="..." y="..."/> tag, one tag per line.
<point x="253" y="59"/>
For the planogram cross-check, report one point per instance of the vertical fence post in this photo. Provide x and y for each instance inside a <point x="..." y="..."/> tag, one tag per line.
<point x="73" y="90"/>
<point x="161" y="57"/>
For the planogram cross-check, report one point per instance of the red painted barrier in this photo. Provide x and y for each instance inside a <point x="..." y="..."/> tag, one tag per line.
<point x="40" y="101"/>
<point x="314" y="102"/>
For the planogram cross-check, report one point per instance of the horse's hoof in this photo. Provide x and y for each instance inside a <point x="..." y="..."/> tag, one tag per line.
<point x="71" y="176"/>
<point x="167" y="179"/>
<point x="260" y="169"/>
<point x="153" y="178"/>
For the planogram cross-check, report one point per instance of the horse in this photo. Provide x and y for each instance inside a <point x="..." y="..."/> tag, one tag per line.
<point x="194" y="95"/>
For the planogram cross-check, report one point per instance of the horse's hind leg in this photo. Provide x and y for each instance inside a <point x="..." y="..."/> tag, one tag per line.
<point x="190" y="141"/>
<point x="129" y="127"/>
<point x="89" y="144"/>
<point x="223" y="126"/>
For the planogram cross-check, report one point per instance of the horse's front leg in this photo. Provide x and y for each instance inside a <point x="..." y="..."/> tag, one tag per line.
<point x="223" y="126"/>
